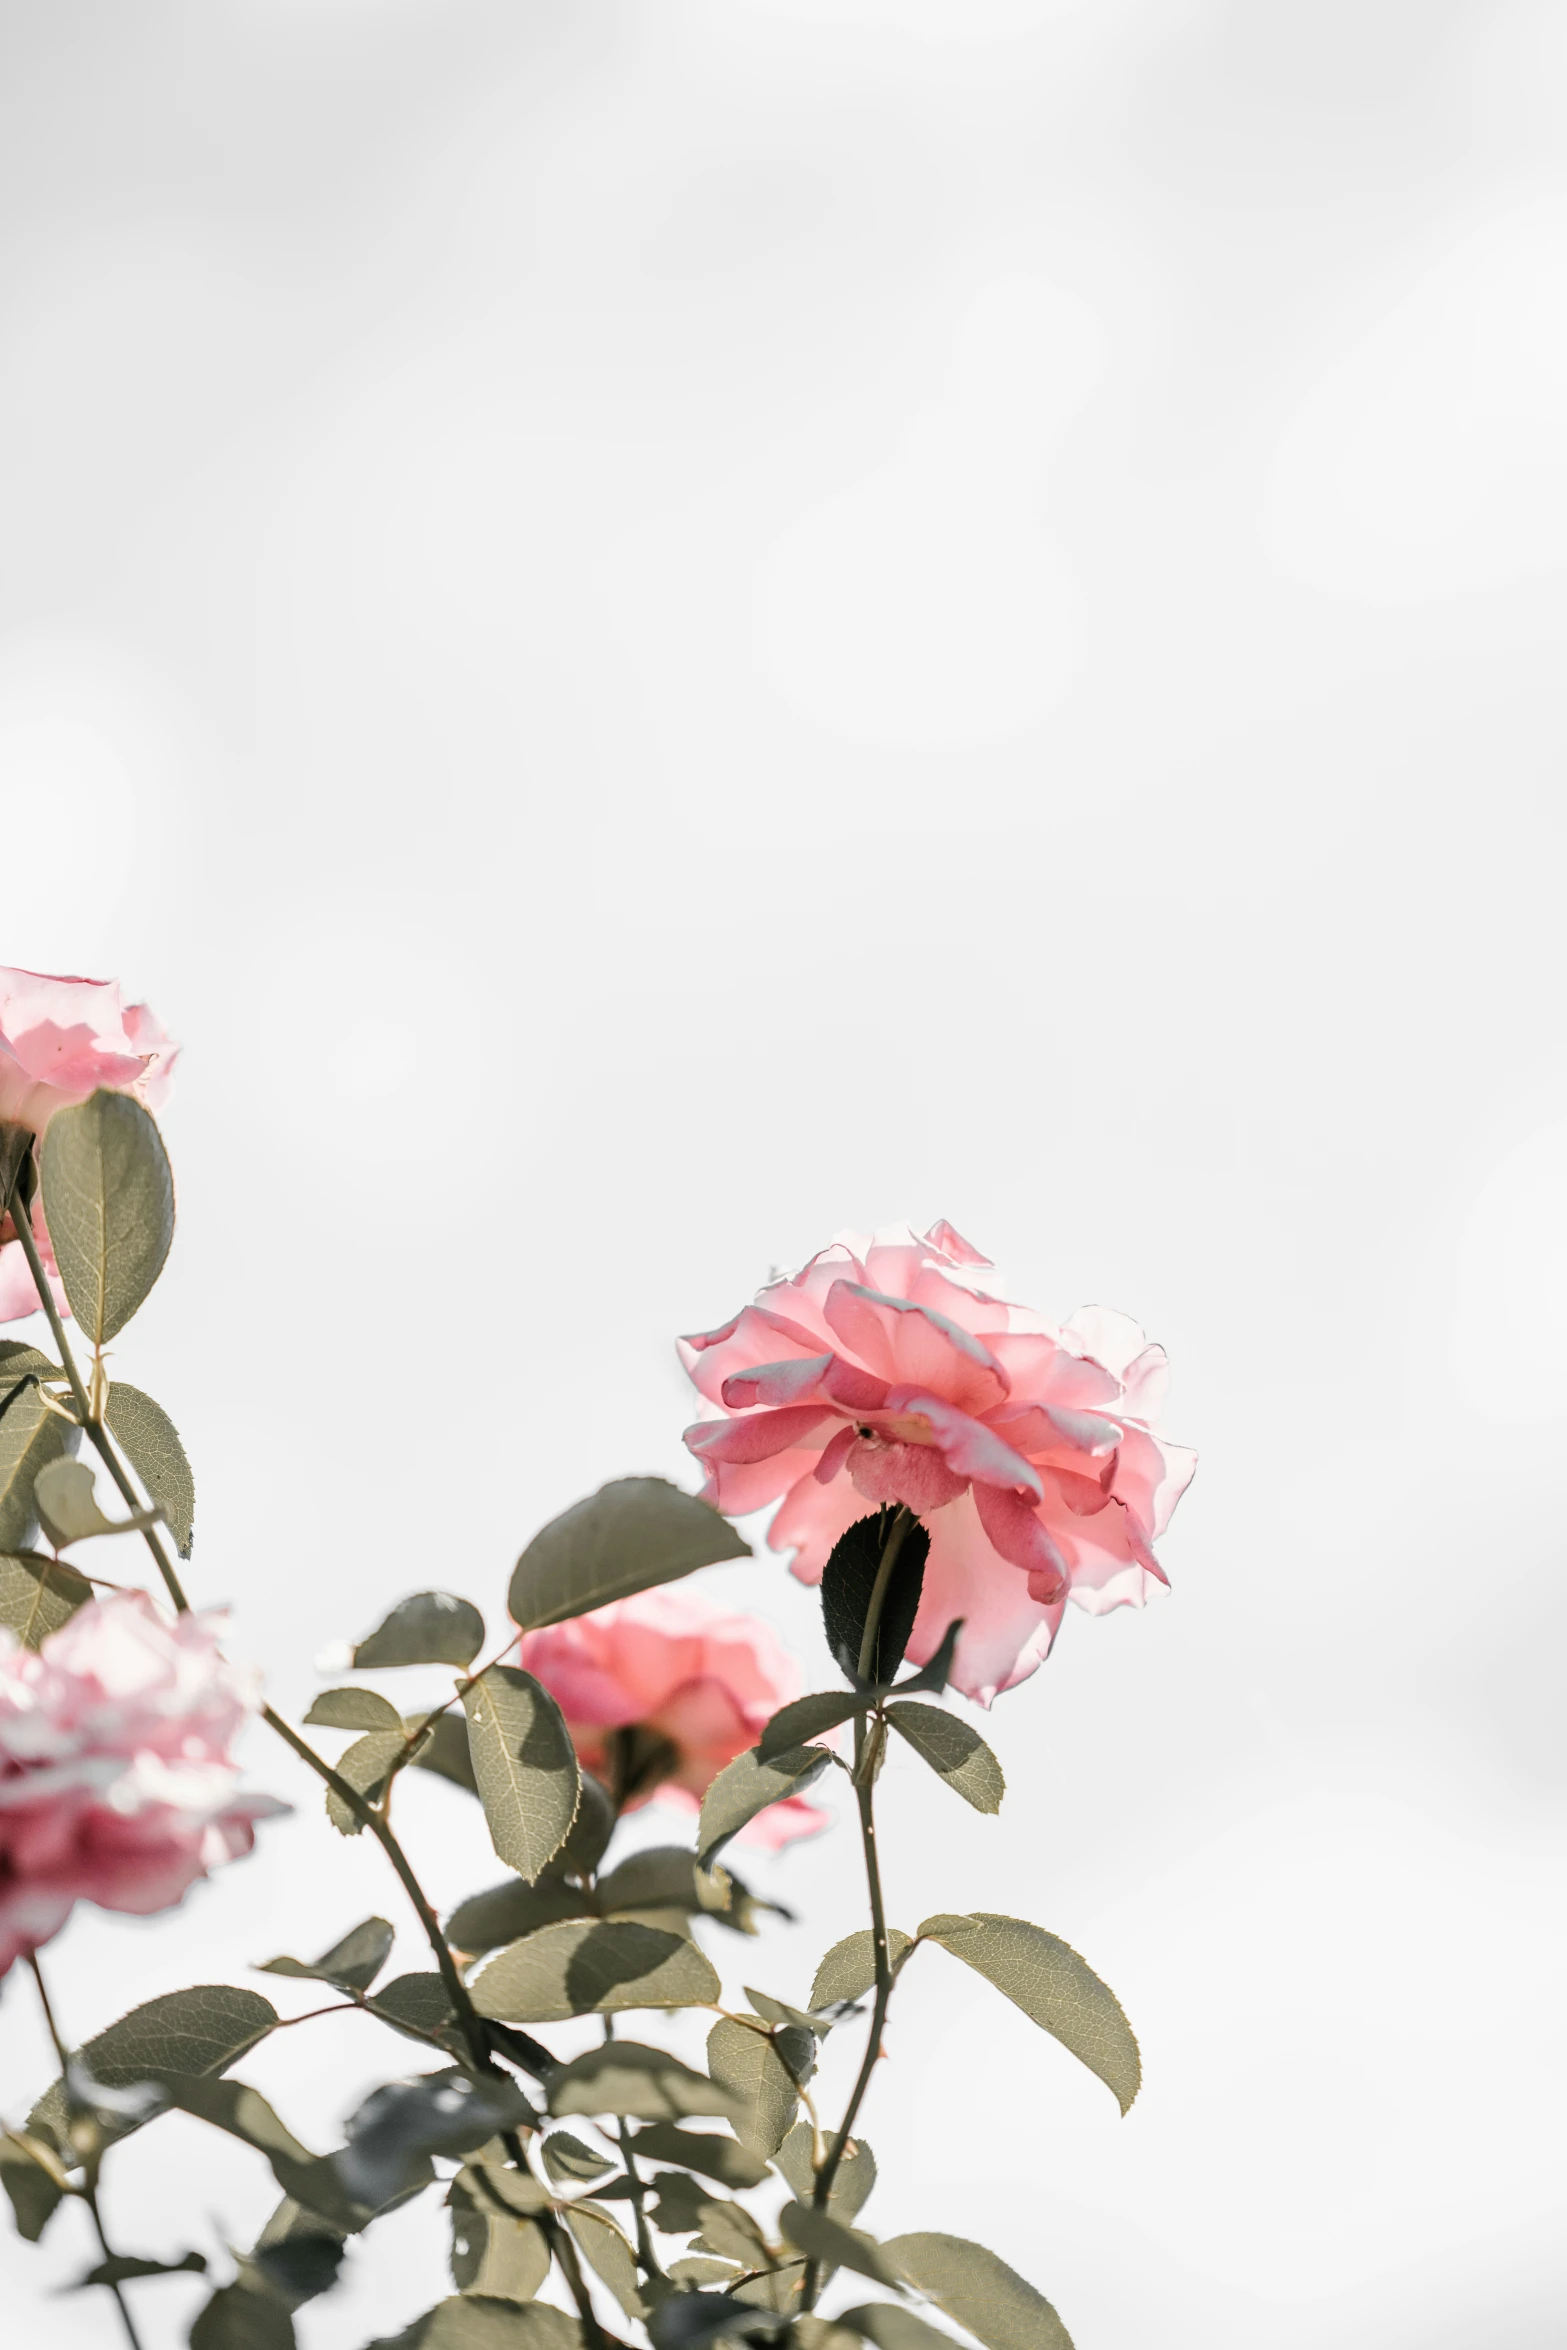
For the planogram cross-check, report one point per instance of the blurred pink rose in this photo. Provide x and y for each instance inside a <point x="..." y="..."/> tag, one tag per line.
<point x="674" y="1665"/>
<point x="884" y="1373"/>
<point x="60" y="1040"/>
<point x="116" y="1781"/>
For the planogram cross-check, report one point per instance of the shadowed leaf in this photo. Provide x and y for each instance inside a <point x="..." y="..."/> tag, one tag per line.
<point x="648" y="2084"/>
<point x="764" y="2085"/>
<point x="34" y="2189"/>
<point x="500" y="2255"/>
<point x="525" y="1765"/>
<point x="747" y="1786"/>
<point x="892" y="2327"/>
<point x="200" y="2031"/>
<point x="834" y="2246"/>
<point x="807" y="1718"/>
<point x="446" y="1750"/>
<point x="629" y="1536"/>
<point x="592" y="1966"/>
<point x="607" y="2253"/>
<point x="849" y="1582"/>
<point x="474" y="2322"/>
<point x="702" y="2150"/>
<point x="355" y="1961"/>
<point x="240" y="2318"/>
<point x="31" y="1436"/>
<point x="507" y="1912"/>
<point x="954" y="1752"/>
<point x="427" y="1628"/>
<point x="367" y="1765"/>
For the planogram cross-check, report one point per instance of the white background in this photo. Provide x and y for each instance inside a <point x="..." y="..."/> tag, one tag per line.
<point x="655" y="629"/>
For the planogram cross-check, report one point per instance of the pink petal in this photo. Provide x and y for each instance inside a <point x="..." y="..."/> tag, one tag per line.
<point x="952" y="1244"/>
<point x="1043" y="1371"/>
<point x="758" y="1438"/>
<point x="835" y="1452"/>
<point x="756" y="1335"/>
<point x="1109" y="1337"/>
<point x="825" y="1379"/>
<point x="1006" y="1635"/>
<point x="737" y="1488"/>
<point x="1021" y="1537"/>
<point x="809" y="1521"/>
<point x="913" y="1345"/>
<point x="966" y="1445"/>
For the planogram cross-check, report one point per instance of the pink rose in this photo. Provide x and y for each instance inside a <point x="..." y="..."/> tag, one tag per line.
<point x="675" y="1666"/>
<point x="116" y="1780"/>
<point x="884" y="1373"/>
<point x="60" y="1040"/>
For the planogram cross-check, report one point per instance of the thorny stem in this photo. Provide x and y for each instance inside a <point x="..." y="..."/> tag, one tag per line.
<point x="88" y="2191"/>
<point x="520" y="2045"/>
<point x="864" y="1789"/>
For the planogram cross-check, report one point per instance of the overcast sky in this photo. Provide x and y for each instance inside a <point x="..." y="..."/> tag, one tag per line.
<point x="658" y="629"/>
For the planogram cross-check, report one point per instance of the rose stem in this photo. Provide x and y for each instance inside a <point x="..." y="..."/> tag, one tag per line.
<point x="88" y="2190"/>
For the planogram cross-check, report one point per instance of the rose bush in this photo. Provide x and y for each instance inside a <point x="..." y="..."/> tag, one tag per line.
<point x="936" y="1453"/>
<point x="695" y="1685"/>
<point x="117" y="1781"/>
<point x="60" y="1040"/>
<point x="884" y="1372"/>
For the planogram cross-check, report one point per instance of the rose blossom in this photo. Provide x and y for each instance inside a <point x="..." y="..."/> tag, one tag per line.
<point x="673" y="1665"/>
<point x="884" y="1373"/>
<point x="60" y="1040"/>
<point x="116" y="1781"/>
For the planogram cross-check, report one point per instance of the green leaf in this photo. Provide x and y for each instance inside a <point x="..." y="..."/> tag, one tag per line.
<point x="778" y="2011"/>
<point x="954" y="1752"/>
<point x="121" y="2267"/>
<point x="607" y="2253"/>
<point x="355" y="1961"/>
<point x="691" y="2270"/>
<point x="807" y="1718"/>
<point x="427" y="1628"/>
<point x="242" y="2112"/>
<point x="298" y="2254"/>
<point x="202" y="2030"/>
<point x="628" y="1536"/>
<point x="1053" y="1986"/>
<point x="592" y="1966"/>
<point x="109" y="1204"/>
<point x="823" y="2333"/>
<point x="680" y="2204"/>
<point x="400" y="2125"/>
<point x="367" y="1765"/>
<point x="565" y="2157"/>
<point x="935" y="1676"/>
<point x="525" y="1764"/>
<point x="18" y="1359"/>
<point x="823" y="2239"/>
<point x="730" y="2231"/>
<point x="31" y="1436"/>
<point x="849" y="1969"/>
<point x="31" y="2184"/>
<point x="591" y="1831"/>
<point x="505" y="1913"/>
<point x="65" y="1497"/>
<point x="747" y="1786"/>
<point x="701" y="2150"/>
<point x="445" y="1750"/>
<point x="354" y="1709"/>
<point x="648" y="2084"/>
<point x="979" y="2290"/>
<point x="664" y="1876"/>
<point x="763" y="2079"/>
<point x="499" y="2254"/>
<point x="151" y="1443"/>
<point x="849" y="1583"/>
<point x="38" y="1595"/>
<point x="239" y="2318"/>
<point x="470" y="2322"/>
<point x="892" y="2327"/>
<point x="421" y="2000"/>
<point x="717" y="2321"/>
<point x="852" y="2183"/>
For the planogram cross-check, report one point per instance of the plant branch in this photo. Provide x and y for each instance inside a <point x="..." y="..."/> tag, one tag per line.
<point x="96" y="1432"/>
<point x="89" y="2188"/>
